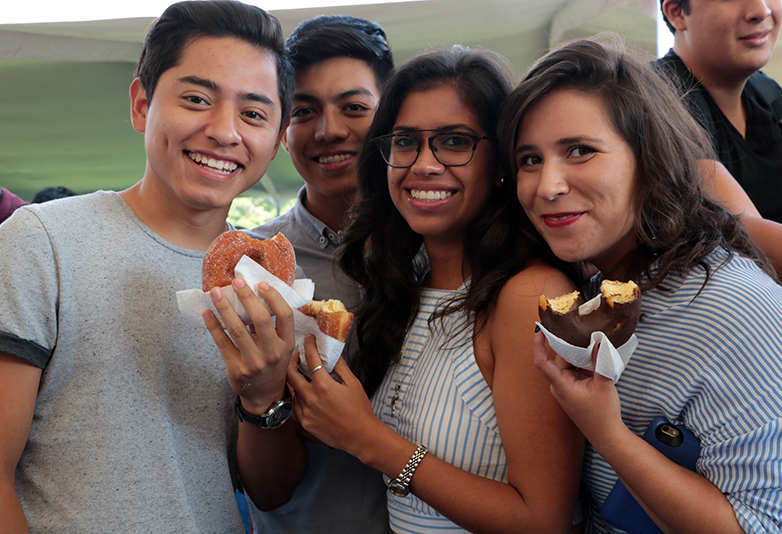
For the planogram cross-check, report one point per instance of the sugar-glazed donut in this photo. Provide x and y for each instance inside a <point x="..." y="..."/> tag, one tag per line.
<point x="276" y="255"/>
<point x="333" y="319"/>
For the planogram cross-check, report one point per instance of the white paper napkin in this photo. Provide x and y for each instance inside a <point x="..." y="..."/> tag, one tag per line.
<point x="329" y="348"/>
<point x="193" y="302"/>
<point x="611" y="361"/>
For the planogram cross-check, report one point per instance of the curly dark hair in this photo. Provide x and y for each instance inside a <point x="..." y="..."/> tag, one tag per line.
<point x="676" y="224"/>
<point x="382" y="253"/>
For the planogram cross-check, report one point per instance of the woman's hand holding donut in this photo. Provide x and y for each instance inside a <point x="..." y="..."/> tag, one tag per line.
<point x="589" y="399"/>
<point x="338" y="414"/>
<point x="256" y="358"/>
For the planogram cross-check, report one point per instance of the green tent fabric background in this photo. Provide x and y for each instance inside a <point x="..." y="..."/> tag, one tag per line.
<point x="64" y="106"/>
<point x="68" y="123"/>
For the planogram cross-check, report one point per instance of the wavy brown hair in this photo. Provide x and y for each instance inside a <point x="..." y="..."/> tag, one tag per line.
<point x="383" y="254"/>
<point x="676" y="224"/>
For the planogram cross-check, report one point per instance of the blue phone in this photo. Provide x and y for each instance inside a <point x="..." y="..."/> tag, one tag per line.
<point x="676" y="443"/>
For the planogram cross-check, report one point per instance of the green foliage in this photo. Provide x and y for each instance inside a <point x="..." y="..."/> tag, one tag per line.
<point x="249" y="212"/>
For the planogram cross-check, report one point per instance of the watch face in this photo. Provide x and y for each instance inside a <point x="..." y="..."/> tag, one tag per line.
<point x="279" y="414"/>
<point x="398" y="489"/>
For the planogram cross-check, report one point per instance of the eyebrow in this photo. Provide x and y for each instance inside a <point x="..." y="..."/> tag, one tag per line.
<point x="212" y="86"/>
<point x="566" y="141"/>
<point x="306" y="97"/>
<point x="446" y="128"/>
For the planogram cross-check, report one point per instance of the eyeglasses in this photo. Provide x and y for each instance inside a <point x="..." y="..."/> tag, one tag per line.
<point x="450" y="148"/>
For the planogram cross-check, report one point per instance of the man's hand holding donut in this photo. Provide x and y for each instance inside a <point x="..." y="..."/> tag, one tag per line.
<point x="256" y="357"/>
<point x="256" y="360"/>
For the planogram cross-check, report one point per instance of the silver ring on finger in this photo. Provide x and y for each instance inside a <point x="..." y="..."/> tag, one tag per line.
<point x="318" y="368"/>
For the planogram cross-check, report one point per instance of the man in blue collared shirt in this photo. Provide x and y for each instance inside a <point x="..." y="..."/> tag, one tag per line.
<point x="340" y="65"/>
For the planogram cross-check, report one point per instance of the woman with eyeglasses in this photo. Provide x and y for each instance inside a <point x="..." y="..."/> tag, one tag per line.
<point x="460" y="422"/>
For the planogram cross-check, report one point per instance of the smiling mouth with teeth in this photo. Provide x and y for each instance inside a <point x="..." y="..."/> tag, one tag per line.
<point x="328" y="160"/>
<point x="429" y="195"/>
<point x="215" y="165"/>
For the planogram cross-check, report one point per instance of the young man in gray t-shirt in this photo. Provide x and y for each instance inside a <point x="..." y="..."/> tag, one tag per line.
<point x="116" y="415"/>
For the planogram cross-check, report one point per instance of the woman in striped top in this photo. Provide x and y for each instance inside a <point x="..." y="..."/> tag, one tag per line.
<point x="606" y="165"/>
<point x="447" y="278"/>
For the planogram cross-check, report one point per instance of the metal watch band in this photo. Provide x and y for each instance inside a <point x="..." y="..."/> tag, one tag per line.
<point x="400" y="486"/>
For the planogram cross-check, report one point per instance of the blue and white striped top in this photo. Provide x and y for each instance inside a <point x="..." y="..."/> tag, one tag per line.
<point x="713" y="363"/>
<point x="443" y="403"/>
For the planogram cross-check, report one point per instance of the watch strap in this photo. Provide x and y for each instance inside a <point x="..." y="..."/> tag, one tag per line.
<point x="262" y="420"/>
<point x="400" y="486"/>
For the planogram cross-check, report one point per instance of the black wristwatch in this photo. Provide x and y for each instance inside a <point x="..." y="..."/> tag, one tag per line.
<point x="279" y="412"/>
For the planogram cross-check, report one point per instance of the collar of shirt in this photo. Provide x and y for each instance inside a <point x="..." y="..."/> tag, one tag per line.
<point x="312" y="226"/>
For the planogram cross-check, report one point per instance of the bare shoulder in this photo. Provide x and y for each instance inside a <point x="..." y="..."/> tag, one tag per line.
<point x="529" y="284"/>
<point x="512" y="323"/>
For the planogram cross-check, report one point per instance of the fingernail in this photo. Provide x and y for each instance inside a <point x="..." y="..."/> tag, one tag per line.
<point x="537" y="329"/>
<point x="263" y="286"/>
<point x="239" y="283"/>
<point x="217" y="293"/>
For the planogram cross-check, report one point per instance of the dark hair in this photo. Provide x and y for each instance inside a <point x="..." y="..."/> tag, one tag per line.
<point x="327" y="37"/>
<point x="381" y="251"/>
<point x="185" y="21"/>
<point x="676" y="224"/>
<point x="51" y="193"/>
<point x="683" y="4"/>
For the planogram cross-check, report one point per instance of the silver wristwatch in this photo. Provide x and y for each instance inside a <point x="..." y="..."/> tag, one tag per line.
<point x="400" y="486"/>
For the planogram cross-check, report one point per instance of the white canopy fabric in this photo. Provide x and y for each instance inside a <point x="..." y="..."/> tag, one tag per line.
<point x="519" y="29"/>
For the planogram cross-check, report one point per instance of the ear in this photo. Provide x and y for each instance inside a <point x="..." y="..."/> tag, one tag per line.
<point x="139" y="105"/>
<point x="675" y="14"/>
<point x="282" y="137"/>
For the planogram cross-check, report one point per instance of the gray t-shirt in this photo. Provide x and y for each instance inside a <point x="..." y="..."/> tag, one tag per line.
<point x="338" y="492"/>
<point x="133" y="426"/>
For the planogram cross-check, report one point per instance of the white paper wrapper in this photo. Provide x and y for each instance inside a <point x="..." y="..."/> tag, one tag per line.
<point x="193" y="302"/>
<point x="611" y="361"/>
<point x="329" y="348"/>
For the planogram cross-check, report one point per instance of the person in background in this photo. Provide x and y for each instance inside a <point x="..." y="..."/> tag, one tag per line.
<point x="460" y="422"/>
<point x="719" y="49"/>
<point x="340" y="64"/>
<point x="116" y="415"/>
<point x="607" y="168"/>
<point x="9" y="203"/>
<point x="51" y="193"/>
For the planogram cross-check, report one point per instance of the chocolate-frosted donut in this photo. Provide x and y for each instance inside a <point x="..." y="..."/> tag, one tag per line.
<point x="276" y="255"/>
<point x="615" y="313"/>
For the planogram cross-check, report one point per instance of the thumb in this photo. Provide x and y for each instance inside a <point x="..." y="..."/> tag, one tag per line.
<point x="343" y="372"/>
